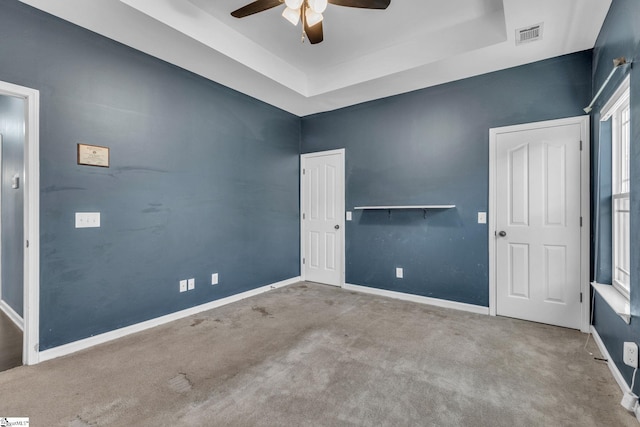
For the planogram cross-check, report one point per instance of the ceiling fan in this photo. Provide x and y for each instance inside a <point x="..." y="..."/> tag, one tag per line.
<point x="309" y="11"/>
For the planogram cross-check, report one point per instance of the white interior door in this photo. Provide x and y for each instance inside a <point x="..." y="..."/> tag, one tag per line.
<point x="538" y="224"/>
<point x="322" y="184"/>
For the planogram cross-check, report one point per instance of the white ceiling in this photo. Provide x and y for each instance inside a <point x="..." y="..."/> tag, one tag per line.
<point x="366" y="54"/>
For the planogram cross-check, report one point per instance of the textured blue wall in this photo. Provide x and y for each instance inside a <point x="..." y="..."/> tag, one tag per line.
<point x="620" y="36"/>
<point x="12" y="129"/>
<point x="432" y="147"/>
<point x="202" y="179"/>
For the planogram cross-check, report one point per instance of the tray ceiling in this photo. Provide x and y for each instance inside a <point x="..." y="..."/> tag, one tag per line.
<point x="366" y="54"/>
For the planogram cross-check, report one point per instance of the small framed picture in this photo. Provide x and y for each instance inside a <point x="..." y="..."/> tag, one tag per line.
<point x="93" y="155"/>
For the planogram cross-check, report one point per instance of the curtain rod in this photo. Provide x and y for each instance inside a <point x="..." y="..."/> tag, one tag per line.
<point x="617" y="63"/>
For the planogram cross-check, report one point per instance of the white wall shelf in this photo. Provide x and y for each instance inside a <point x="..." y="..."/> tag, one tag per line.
<point x="389" y="208"/>
<point x="404" y="207"/>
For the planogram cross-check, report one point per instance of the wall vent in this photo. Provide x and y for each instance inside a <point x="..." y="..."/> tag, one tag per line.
<point x="529" y="34"/>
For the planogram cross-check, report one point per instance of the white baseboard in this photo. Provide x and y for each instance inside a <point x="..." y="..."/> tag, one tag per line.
<point x="478" y="309"/>
<point x="11" y="314"/>
<point x="617" y="375"/>
<point x="83" y="344"/>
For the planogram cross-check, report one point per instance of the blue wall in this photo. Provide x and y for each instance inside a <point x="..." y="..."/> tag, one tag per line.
<point x="620" y="36"/>
<point x="12" y="129"/>
<point x="432" y="147"/>
<point x="202" y="179"/>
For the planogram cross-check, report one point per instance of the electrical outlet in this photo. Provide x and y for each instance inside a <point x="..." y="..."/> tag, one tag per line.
<point x="631" y="354"/>
<point x="399" y="272"/>
<point x="482" y="217"/>
<point x="191" y="284"/>
<point x="183" y="286"/>
<point x="214" y="279"/>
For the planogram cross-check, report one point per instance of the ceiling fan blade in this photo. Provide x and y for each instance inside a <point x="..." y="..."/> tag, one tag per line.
<point x="314" y="34"/>
<point x="255" y="7"/>
<point x="363" y="4"/>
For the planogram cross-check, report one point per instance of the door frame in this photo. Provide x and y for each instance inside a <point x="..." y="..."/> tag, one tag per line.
<point x="1" y="148"/>
<point x="303" y="158"/>
<point x="31" y="212"/>
<point x="584" y="122"/>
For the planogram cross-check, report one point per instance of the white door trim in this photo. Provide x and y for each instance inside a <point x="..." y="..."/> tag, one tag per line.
<point x="583" y="121"/>
<point x="343" y="262"/>
<point x="31" y="182"/>
<point x="1" y="302"/>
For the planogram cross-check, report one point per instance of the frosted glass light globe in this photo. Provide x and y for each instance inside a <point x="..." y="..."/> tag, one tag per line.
<point x="318" y="6"/>
<point x="291" y="15"/>
<point x="293" y="4"/>
<point x="313" y="17"/>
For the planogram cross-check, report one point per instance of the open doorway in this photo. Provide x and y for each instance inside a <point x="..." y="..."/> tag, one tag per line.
<point x="19" y="225"/>
<point x="12" y="136"/>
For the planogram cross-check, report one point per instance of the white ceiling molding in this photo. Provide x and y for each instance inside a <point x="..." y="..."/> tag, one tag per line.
<point x="206" y="29"/>
<point x="365" y="55"/>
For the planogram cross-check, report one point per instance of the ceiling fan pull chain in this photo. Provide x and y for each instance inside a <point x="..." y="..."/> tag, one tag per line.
<point x="304" y="20"/>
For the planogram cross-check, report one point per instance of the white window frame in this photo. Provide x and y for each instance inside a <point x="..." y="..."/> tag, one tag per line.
<point x="617" y="108"/>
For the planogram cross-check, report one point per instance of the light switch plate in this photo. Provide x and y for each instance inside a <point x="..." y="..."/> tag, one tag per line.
<point x="183" y="286"/>
<point x="399" y="272"/>
<point x="482" y="217"/>
<point x="191" y="284"/>
<point x="349" y="216"/>
<point x="214" y="279"/>
<point x="87" y="219"/>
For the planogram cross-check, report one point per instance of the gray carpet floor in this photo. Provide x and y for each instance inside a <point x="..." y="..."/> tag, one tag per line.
<point x="10" y="344"/>
<point x="313" y="355"/>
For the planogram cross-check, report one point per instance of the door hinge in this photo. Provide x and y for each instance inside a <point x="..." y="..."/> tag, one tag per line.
<point x="304" y="171"/>
<point x="580" y="297"/>
<point x="304" y="216"/>
<point x="303" y="260"/>
<point x="580" y="145"/>
<point x="580" y="221"/>
<point x="27" y="243"/>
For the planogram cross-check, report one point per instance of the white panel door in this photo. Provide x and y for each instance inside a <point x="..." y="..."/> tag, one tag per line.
<point x="323" y="217"/>
<point x="538" y="237"/>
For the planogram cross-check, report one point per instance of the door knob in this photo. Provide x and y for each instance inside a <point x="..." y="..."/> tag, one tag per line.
<point x="337" y="227"/>
<point x="502" y="233"/>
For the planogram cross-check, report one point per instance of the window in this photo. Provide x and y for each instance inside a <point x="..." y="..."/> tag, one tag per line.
<point x="618" y="111"/>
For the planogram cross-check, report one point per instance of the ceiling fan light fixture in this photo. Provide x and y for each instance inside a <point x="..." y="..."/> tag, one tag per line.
<point x="308" y="11"/>
<point x="318" y="6"/>
<point x="294" y="4"/>
<point x="291" y="15"/>
<point x="313" y="17"/>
